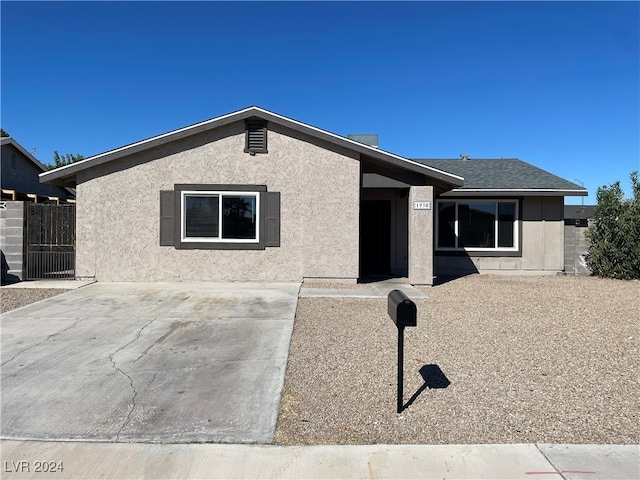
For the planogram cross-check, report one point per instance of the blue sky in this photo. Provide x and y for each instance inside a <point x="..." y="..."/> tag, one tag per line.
<point x="556" y="84"/>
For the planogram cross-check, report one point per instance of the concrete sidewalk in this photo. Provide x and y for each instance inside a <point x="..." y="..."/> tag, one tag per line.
<point x="72" y="460"/>
<point x="379" y="289"/>
<point x="61" y="284"/>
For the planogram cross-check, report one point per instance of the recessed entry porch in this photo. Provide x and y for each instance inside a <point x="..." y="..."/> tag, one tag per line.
<point x="396" y="224"/>
<point x="384" y="241"/>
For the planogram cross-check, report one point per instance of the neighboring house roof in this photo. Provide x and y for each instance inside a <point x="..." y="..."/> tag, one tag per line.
<point x="20" y="171"/>
<point x="11" y="141"/>
<point x="66" y="175"/>
<point x="577" y="212"/>
<point x="504" y="176"/>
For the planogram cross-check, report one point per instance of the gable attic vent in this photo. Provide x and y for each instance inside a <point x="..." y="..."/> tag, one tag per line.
<point x="256" y="136"/>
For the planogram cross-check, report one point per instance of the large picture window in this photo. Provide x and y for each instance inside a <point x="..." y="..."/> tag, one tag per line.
<point x="216" y="216"/>
<point x="219" y="217"/>
<point x="477" y="225"/>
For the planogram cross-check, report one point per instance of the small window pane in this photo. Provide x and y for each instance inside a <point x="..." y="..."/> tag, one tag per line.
<point x="446" y="224"/>
<point x="476" y="224"/>
<point x="506" y="222"/>
<point x="239" y="216"/>
<point x="201" y="216"/>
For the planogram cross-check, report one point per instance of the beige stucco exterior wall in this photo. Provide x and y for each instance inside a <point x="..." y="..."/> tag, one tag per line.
<point x="118" y="210"/>
<point x="542" y="239"/>
<point x="421" y="237"/>
<point x="543" y="233"/>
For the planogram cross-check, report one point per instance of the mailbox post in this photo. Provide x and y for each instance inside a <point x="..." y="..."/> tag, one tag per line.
<point x="403" y="312"/>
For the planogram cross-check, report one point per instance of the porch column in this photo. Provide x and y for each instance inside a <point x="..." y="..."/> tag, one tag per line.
<point x="421" y="207"/>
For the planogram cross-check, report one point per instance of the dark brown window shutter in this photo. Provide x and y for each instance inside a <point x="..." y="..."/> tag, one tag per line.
<point x="167" y="217"/>
<point x="273" y="220"/>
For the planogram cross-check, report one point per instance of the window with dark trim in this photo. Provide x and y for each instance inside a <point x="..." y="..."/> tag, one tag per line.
<point x="256" y="136"/>
<point x="220" y="217"/>
<point x="477" y="225"/>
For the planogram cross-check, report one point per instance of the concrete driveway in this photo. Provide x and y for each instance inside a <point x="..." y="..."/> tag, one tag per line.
<point x="179" y="362"/>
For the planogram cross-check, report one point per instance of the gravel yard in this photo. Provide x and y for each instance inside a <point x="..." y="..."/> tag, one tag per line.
<point x="529" y="359"/>
<point x="12" y="298"/>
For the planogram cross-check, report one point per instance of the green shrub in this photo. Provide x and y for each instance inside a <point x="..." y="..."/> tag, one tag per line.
<point x="614" y="250"/>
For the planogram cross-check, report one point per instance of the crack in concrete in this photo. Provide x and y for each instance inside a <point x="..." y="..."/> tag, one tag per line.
<point x="40" y="343"/>
<point x="152" y="379"/>
<point x="174" y="326"/>
<point x="133" y="387"/>
<point x="133" y="399"/>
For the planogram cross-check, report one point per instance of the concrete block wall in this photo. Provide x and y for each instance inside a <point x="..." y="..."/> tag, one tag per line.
<point x="12" y="235"/>
<point x="575" y="249"/>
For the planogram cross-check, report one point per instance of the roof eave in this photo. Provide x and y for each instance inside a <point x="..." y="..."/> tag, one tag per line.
<point x="514" y="192"/>
<point x="67" y="173"/>
<point x="73" y="168"/>
<point x="374" y="152"/>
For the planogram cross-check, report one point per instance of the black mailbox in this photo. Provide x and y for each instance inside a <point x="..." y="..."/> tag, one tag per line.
<point x="401" y="309"/>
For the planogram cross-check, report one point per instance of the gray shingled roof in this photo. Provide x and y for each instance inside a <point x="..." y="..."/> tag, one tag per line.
<point x="504" y="173"/>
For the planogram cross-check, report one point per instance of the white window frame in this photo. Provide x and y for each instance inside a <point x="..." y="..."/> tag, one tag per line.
<point x="516" y="225"/>
<point x="220" y="194"/>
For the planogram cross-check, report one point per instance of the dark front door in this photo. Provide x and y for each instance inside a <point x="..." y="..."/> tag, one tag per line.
<point x="375" y="237"/>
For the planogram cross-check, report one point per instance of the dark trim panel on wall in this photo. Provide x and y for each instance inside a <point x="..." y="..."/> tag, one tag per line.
<point x="167" y="217"/>
<point x="268" y="234"/>
<point x="464" y="253"/>
<point x="272" y="219"/>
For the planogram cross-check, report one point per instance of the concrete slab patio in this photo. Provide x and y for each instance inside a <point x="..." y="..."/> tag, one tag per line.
<point x="180" y="362"/>
<point x="379" y="289"/>
<point x="61" y="284"/>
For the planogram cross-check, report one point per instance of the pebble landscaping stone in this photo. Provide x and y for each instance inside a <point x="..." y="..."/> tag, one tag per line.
<point x="12" y="298"/>
<point x="529" y="360"/>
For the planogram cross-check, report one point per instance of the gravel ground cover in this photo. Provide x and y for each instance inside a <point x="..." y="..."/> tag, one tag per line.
<point x="505" y="360"/>
<point x="12" y="298"/>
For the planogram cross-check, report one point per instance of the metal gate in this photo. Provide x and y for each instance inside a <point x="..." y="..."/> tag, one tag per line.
<point x="50" y="241"/>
